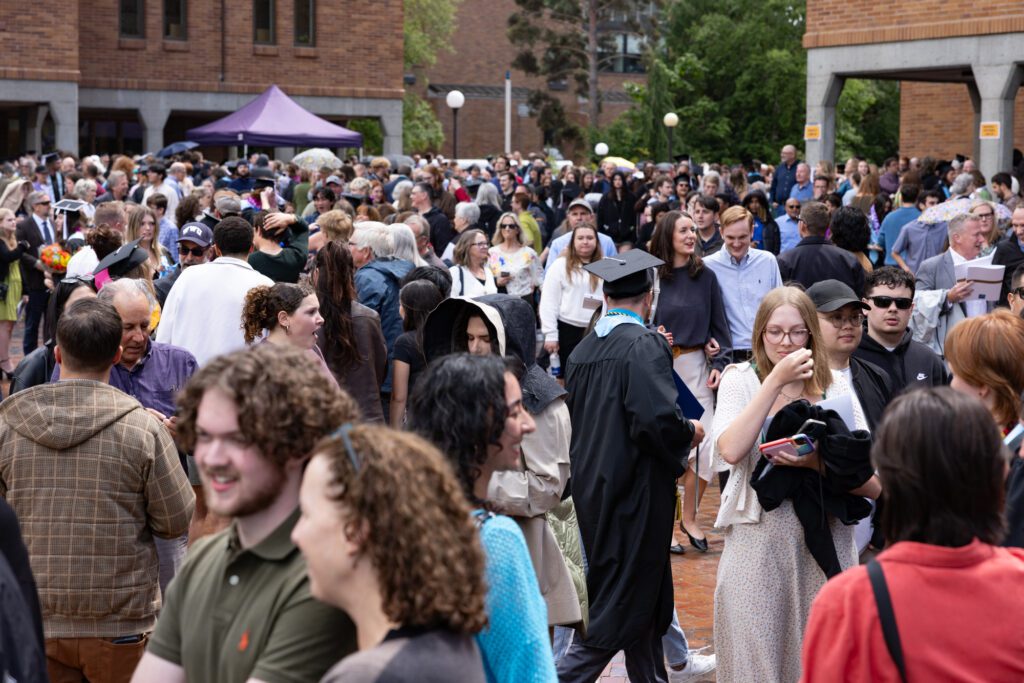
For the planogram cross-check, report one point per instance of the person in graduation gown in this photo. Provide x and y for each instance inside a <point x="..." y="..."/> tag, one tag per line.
<point x="625" y="457"/>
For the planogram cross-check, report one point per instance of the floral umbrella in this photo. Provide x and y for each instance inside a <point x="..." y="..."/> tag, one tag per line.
<point x="948" y="210"/>
<point x="316" y="158"/>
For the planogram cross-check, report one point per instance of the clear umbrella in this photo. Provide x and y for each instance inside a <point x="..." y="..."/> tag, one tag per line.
<point x="316" y="158"/>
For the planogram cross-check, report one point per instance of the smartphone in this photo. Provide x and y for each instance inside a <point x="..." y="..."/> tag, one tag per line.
<point x="505" y="273"/>
<point x="812" y="429"/>
<point x="1014" y="438"/>
<point x="796" y="446"/>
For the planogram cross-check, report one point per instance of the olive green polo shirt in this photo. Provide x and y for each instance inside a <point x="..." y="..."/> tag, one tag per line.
<point x="232" y="614"/>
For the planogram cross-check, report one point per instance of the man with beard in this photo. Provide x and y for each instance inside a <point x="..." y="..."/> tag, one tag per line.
<point x="240" y="609"/>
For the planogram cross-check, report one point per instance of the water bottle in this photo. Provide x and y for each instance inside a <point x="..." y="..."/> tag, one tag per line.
<point x="554" y="366"/>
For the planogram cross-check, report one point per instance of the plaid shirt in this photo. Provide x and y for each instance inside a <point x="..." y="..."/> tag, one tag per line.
<point x="92" y="477"/>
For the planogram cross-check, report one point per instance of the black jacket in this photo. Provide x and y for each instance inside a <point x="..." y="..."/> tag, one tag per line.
<point x="616" y="218"/>
<point x="1015" y="505"/>
<point x="1008" y="253"/>
<point x="441" y="232"/>
<point x="27" y="231"/>
<point x="815" y="259"/>
<point x="873" y="388"/>
<point x="488" y="222"/>
<point x="34" y="369"/>
<point x="164" y="284"/>
<point x="846" y="465"/>
<point x="909" y="365"/>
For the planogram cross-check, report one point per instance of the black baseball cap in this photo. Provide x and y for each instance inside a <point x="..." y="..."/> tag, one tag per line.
<point x="831" y="295"/>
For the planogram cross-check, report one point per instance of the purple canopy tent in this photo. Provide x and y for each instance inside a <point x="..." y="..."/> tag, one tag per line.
<point x="275" y="120"/>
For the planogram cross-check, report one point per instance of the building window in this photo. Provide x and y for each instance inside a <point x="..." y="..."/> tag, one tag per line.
<point x="623" y="54"/>
<point x="305" y="22"/>
<point x="132" y="18"/>
<point x="175" y="24"/>
<point x="263" y="22"/>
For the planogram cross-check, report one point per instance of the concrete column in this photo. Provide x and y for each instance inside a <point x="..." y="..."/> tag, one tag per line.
<point x="997" y="86"/>
<point x="34" y="127"/>
<point x="823" y="90"/>
<point x="153" y="120"/>
<point x="65" y="120"/>
<point x="972" y="92"/>
<point x="284" y="154"/>
<point x="391" y="125"/>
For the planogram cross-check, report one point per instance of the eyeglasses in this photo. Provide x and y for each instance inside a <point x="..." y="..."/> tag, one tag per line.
<point x="792" y="206"/>
<point x="509" y="226"/>
<point x="799" y="336"/>
<point x="984" y="215"/>
<point x="902" y="302"/>
<point x="197" y="251"/>
<point x="480" y="244"/>
<point x="840" y="321"/>
<point x="1019" y="292"/>
<point x="342" y="433"/>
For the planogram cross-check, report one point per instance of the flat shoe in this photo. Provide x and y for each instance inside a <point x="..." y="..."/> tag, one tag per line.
<point x="700" y="544"/>
<point x="677" y="549"/>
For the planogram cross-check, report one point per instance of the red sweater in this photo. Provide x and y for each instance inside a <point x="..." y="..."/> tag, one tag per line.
<point x="959" y="611"/>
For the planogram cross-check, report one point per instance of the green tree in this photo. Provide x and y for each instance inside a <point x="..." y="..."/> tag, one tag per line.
<point x="373" y="134"/>
<point x="868" y="120"/>
<point x="568" y="42"/>
<point x="428" y="25"/>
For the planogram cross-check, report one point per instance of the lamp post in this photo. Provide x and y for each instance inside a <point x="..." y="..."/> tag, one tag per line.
<point x="671" y="120"/>
<point x="601" y="149"/>
<point x="455" y="99"/>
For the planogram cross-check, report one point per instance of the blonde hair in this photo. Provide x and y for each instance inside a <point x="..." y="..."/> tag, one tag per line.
<point x="336" y="225"/>
<point x="735" y="214"/>
<point x="798" y="299"/>
<point x="499" y="237"/>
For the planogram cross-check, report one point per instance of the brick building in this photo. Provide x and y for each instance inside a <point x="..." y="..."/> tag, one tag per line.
<point x="481" y="54"/>
<point x="134" y="75"/>
<point x="960" y="66"/>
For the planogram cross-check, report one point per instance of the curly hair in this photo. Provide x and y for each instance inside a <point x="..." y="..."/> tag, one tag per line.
<point x="850" y="229"/>
<point x="430" y="522"/>
<point x="263" y="303"/>
<point x="287" y="401"/>
<point x="104" y="240"/>
<point x="463" y="430"/>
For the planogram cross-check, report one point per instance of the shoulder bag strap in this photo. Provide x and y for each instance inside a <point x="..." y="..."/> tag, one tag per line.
<point x="886" y="616"/>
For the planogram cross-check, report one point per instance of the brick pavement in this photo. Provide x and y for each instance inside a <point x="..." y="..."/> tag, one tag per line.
<point x="693" y="576"/>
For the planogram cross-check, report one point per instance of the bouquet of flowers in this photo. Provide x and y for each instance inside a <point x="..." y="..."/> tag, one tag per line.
<point x="55" y="258"/>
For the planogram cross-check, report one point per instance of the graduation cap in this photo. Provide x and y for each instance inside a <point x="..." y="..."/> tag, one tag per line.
<point x="263" y="183"/>
<point x="119" y="262"/>
<point x="354" y="199"/>
<point x="627" y="274"/>
<point x="50" y="158"/>
<point x="69" y="205"/>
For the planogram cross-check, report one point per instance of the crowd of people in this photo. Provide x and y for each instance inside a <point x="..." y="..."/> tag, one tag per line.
<point x="446" y="422"/>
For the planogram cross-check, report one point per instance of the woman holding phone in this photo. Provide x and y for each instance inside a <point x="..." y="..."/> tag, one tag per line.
<point x="767" y="577"/>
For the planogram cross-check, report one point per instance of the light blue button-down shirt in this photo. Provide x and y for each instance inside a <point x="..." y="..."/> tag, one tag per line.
<point x="744" y="283"/>
<point x="789" y="232"/>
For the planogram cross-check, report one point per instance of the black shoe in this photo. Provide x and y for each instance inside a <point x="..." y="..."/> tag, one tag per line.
<point x="677" y="549"/>
<point x="700" y="544"/>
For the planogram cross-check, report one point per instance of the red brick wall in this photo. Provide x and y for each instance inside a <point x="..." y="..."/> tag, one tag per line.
<point x="357" y="53"/>
<point x="481" y="55"/>
<point x="39" y="39"/>
<point x="850" y="22"/>
<point x="936" y="119"/>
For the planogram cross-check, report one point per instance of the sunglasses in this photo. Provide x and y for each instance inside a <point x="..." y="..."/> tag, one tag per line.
<point x="902" y="303"/>
<point x="509" y="226"/>
<point x="197" y="251"/>
<point x="1019" y="292"/>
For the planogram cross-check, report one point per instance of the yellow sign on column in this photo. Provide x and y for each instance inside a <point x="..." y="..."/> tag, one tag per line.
<point x="989" y="130"/>
<point x="812" y="131"/>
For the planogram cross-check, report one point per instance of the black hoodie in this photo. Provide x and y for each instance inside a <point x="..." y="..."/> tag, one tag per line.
<point x="910" y="365"/>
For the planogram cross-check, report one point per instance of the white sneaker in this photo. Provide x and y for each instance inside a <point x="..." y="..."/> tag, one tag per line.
<point x="696" y="666"/>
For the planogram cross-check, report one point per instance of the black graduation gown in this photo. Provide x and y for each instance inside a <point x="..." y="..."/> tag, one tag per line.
<point x="629" y="444"/>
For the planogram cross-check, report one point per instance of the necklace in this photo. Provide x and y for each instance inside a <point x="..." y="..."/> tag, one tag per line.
<point x="791" y="398"/>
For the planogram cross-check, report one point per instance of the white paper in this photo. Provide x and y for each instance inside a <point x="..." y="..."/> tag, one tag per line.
<point x="843" y="405"/>
<point x="986" y="280"/>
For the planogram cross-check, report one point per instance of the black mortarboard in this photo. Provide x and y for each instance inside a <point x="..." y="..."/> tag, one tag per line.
<point x="626" y="274"/>
<point x="263" y="183"/>
<point x="119" y="262"/>
<point x="354" y="199"/>
<point x="50" y="158"/>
